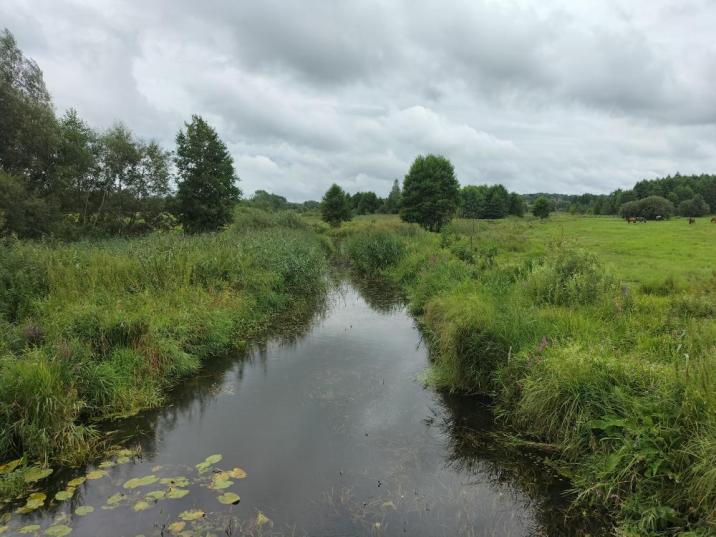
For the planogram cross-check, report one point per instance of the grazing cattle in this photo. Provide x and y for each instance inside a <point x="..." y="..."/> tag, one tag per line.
<point x="713" y="220"/>
<point x="692" y="220"/>
<point x="631" y="220"/>
<point x="659" y="217"/>
<point x="641" y="220"/>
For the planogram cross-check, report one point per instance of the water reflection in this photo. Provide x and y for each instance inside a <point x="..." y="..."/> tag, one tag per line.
<point x="335" y="435"/>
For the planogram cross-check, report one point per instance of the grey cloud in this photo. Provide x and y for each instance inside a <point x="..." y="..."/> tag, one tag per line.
<point x="555" y="95"/>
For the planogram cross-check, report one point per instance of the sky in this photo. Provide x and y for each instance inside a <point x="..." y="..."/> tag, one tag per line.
<point x="544" y="96"/>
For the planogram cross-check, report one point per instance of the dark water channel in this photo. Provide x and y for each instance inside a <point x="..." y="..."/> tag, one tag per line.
<point x="336" y="435"/>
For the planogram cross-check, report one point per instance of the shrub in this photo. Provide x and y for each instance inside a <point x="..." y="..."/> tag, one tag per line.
<point x="649" y="208"/>
<point x="695" y="206"/>
<point x="373" y="251"/>
<point x="570" y="277"/>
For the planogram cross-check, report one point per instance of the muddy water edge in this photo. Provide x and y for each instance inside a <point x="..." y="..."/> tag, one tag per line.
<point x="324" y="430"/>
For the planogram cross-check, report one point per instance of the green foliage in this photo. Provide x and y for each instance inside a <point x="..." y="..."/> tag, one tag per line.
<point x="430" y="192"/>
<point x="695" y="206"/>
<point x="335" y="206"/>
<point x="365" y="203"/>
<point x="206" y="186"/>
<point x="542" y="207"/>
<point x="392" y="202"/>
<point x="66" y="356"/>
<point x="648" y="208"/>
<point x="374" y="250"/>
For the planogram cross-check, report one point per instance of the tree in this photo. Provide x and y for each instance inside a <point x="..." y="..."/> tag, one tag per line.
<point x="392" y="202"/>
<point x="365" y="202"/>
<point x="649" y="208"/>
<point x="472" y="201"/>
<point x="542" y="207"/>
<point x="497" y="202"/>
<point x="206" y="188"/>
<point x="430" y="192"/>
<point x="517" y="205"/>
<point x="696" y="206"/>
<point x="335" y="206"/>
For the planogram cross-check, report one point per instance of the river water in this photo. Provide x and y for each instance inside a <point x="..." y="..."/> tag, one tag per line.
<point x="326" y="433"/>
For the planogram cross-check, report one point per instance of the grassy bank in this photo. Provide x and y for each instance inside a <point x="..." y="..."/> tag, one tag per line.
<point x="594" y="337"/>
<point x="96" y="330"/>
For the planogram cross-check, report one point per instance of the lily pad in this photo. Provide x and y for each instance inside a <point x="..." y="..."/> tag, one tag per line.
<point x="140" y="482"/>
<point x="192" y="514"/>
<point x="3" y="529"/>
<point x="34" y="501"/>
<point x="141" y="505"/>
<point x="107" y="464"/>
<point x="9" y="466"/>
<point x="115" y="499"/>
<point x="36" y="474"/>
<point x="31" y="528"/>
<point x="220" y="482"/>
<point x="179" y="481"/>
<point x="76" y="482"/>
<point x="208" y="462"/>
<point x="176" y="527"/>
<point x="157" y="494"/>
<point x="176" y="493"/>
<point x="66" y="494"/>
<point x="84" y="510"/>
<point x="96" y="474"/>
<point x="237" y="473"/>
<point x="229" y="498"/>
<point x="262" y="519"/>
<point x="58" y="531"/>
<point x="123" y="460"/>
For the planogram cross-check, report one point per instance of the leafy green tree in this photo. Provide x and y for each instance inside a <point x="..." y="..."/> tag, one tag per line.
<point x="365" y="202"/>
<point x="696" y="206"/>
<point x="335" y="206"/>
<point x="268" y="202"/>
<point x="206" y="188"/>
<point x="430" y="192"/>
<point x="497" y="202"/>
<point x="516" y="205"/>
<point x="392" y="202"/>
<point x="649" y="207"/>
<point x="28" y="132"/>
<point x="23" y="213"/>
<point x="542" y="207"/>
<point x="472" y="201"/>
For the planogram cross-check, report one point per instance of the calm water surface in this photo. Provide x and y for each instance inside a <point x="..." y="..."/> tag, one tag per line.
<point x="336" y="435"/>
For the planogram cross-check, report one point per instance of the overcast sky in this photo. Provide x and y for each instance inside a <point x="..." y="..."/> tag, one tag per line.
<point x="560" y="96"/>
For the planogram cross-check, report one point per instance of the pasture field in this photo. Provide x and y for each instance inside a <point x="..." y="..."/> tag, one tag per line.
<point x="96" y="330"/>
<point x="596" y="340"/>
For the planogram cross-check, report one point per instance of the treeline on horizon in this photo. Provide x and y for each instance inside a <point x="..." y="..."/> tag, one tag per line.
<point x="59" y="177"/>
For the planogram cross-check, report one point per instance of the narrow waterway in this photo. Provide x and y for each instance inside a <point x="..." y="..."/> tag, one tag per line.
<point x="327" y="433"/>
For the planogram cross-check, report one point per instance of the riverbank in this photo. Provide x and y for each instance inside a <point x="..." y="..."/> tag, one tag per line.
<point x="96" y="330"/>
<point x="608" y="365"/>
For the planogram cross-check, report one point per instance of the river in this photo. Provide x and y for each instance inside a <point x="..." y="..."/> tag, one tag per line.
<point x="326" y="433"/>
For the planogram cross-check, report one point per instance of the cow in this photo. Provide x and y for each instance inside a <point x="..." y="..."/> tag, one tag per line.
<point x="659" y="217"/>
<point x="631" y="220"/>
<point x="692" y="220"/>
<point x="641" y="219"/>
<point x="713" y="220"/>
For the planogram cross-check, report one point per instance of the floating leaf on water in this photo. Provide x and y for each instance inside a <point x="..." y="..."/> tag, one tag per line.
<point x="220" y="482"/>
<point x="65" y="494"/>
<point x="175" y="481"/>
<point x="176" y="493"/>
<point x="36" y="473"/>
<point x="192" y="514"/>
<point x="157" y="494"/>
<point x="262" y="519"/>
<point x="107" y="464"/>
<point x="123" y="460"/>
<point x="208" y="462"/>
<point x="31" y="528"/>
<point x="58" y="531"/>
<point x="115" y="499"/>
<point x="9" y="466"/>
<point x="229" y="498"/>
<point x="140" y="482"/>
<point x="96" y="474"/>
<point x="34" y="501"/>
<point x="76" y="482"/>
<point x="141" y="505"/>
<point x="125" y="452"/>
<point x="237" y="473"/>
<point x="176" y="527"/>
<point x="3" y="529"/>
<point x="84" y="510"/>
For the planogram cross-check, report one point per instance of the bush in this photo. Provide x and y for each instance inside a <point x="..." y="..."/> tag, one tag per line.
<point x="570" y="277"/>
<point x="373" y="251"/>
<point x="696" y="206"/>
<point x="648" y="208"/>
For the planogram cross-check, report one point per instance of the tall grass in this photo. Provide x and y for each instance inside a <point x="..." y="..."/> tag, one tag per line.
<point x="618" y="378"/>
<point x="94" y="330"/>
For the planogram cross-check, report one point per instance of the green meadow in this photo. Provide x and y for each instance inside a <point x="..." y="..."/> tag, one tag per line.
<point x="595" y="339"/>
